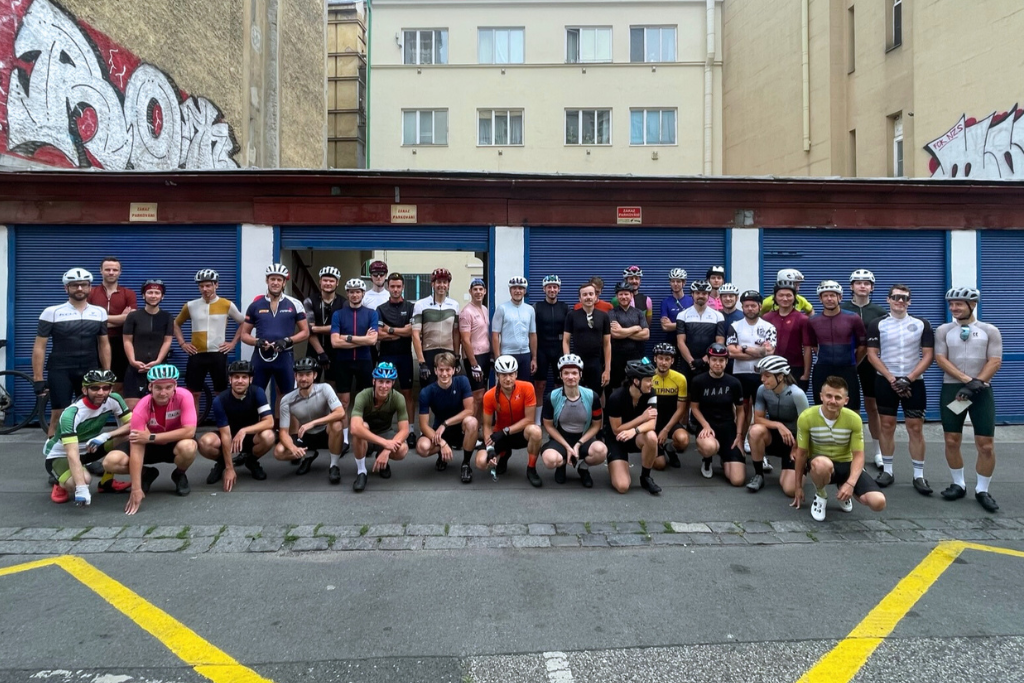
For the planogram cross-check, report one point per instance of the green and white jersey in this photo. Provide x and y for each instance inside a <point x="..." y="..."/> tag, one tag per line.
<point x="835" y="439"/>
<point x="82" y="421"/>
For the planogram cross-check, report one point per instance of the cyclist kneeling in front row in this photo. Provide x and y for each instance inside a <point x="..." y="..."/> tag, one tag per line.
<point x="450" y="398"/>
<point x="311" y="419"/>
<point x="572" y="418"/>
<point x="373" y="412"/>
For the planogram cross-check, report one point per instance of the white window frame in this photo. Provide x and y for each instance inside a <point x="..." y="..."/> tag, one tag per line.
<point x="661" y="110"/>
<point x="435" y="53"/>
<point x="494" y="54"/>
<point x="579" y="123"/>
<point x="579" y="49"/>
<point x="495" y="114"/>
<point x="897" y="8"/>
<point x="646" y="29"/>
<point x="897" y="147"/>
<point x="433" y="128"/>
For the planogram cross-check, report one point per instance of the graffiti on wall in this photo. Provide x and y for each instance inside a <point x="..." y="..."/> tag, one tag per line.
<point x="72" y="97"/>
<point x="988" y="149"/>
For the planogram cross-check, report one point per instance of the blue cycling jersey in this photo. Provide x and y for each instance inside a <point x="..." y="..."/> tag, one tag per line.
<point x="357" y="322"/>
<point x="275" y="326"/>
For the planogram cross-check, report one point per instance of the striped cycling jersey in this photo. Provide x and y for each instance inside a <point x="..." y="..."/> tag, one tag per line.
<point x="699" y="328"/>
<point x="836" y="440"/>
<point x="82" y="421"/>
<point x="969" y="355"/>
<point x="209" y="322"/>
<point x="436" y="322"/>
<point x="836" y="337"/>
<point x="73" y="333"/>
<point x="899" y="341"/>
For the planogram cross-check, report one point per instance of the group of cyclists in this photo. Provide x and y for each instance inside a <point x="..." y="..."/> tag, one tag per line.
<point x="730" y="374"/>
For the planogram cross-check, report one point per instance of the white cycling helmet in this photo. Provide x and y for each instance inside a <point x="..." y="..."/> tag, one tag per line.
<point x="551" y="280"/>
<point x="276" y="269"/>
<point x="728" y="288"/>
<point x="570" y="360"/>
<point x="963" y="294"/>
<point x="677" y="274"/>
<point x="355" y="283"/>
<point x="830" y="286"/>
<point x="862" y="274"/>
<point x="77" y="275"/>
<point x="776" y="365"/>
<point x="207" y="275"/>
<point x="517" y="281"/>
<point x="791" y="274"/>
<point x="330" y="271"/>
<point x="506" y="365"/>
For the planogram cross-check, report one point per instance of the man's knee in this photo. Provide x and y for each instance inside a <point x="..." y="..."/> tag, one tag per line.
<point x="532" y="432"/>
<point x="888" y="423"/>
<point x="621" y="485"/>
<point x="470" y="425"/>
<point x="209" y="445"/>
<point x="874" y="500"/>
<point x="757" y="432"/>
<point x="423" y="445"/>
<point x="552" y="459"/>
<point x="986" y="446"/>
<point x="334" y="427"/>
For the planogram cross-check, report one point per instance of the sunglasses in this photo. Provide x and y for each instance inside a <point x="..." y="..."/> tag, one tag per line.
<point x="965" y="332"/>
<point x="590" y="320"/>
<point x="899" y="297"/>
<point x="101" y="387"/>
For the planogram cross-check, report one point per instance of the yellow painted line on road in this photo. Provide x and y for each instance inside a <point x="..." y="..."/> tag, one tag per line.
<point x="843" y="662"/>
<point x="205" y="658"/>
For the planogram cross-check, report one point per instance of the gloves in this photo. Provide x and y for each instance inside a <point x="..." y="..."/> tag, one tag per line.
<point x="323" y="359"/>
<point x="39" y="387"/>
<point x="699" y="365"/>
<point x="478" y="373"/>
<point x="82" y="496"/>
<point x="280" y="345"/>
<point x="96" y="444"/>
<point x="424" y="372"/>
<point x="902" y="387"/>
<point x="967" y="391"/>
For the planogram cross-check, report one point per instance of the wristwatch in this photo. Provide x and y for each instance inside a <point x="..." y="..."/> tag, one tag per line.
<point x="152" y="438"/>
<point x="391" y="330"/>
<point x="348" y="339"/>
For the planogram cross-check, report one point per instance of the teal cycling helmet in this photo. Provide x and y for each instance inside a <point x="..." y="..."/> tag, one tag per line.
<point x="162" y="372"/>
<point x="385" y="370"/>
<point x="551" y="280"/>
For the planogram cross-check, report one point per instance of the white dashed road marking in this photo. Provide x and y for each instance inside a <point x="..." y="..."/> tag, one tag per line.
<point x="558" y="667"/>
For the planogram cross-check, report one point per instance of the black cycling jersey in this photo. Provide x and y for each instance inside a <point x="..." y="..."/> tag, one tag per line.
<point x="550" y="322"/>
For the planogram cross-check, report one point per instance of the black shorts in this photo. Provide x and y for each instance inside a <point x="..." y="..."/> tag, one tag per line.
<point x="725" y="434"/>
<point x="484" y="361"/>
<point x="313" y="442"/>
<point x="584" y="450"/>
<point x="523" y="359"/>
<point x="118" y="357"/>
<point x="135" y="383"/>
<point x="547" y="359"/>
<point x="212" y="363"/>
<point x="889" y="401"/>
<point x="65" y="386"/>
<point x="821" y="372"/>
<point x="779" y="449"/>
<point x="453" y="436"/>
<point x="345" y="372"/>
<point x="841" y="473"/>
<point x="403" y="364"/>
<point x="620" y="450"/>
<point x="867" y="374"/>
<point x="159" y="453"/>
<point x="591" y="376"/>
<point x="750" y="381"/>
<point x="507" y="444"/>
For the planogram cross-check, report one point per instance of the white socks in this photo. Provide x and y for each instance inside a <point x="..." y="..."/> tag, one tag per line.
<point x="958" y="477"/>
<point x="360" y="465"/>
<point x="983" y="483"/>
<point x="345" y="432"/>
<point x="335" y="459"/>
<point x="918" y="468"/>
<point x="887" y="464"/>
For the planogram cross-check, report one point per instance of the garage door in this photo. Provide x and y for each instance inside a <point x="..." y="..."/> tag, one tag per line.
<point x="999" y="277"/>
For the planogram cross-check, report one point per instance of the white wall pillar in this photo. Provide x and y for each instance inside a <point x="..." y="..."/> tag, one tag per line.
<point x="963" y="258"/>
<point x="745" y="263"/>
<point x="510" y="260"/>
<point x="257" y="254"/>
<point x="6" y="258"/>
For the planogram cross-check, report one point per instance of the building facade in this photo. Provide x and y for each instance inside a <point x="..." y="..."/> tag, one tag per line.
<point x="873" y="88"/>
<point x="346" y="84"/>
<point x="184" y="84"/>
<point x="573" y="86"/>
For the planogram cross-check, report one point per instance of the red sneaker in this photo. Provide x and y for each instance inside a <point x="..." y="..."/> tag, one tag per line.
<point x="114" y="486"/>
<point x="58" y="494"/>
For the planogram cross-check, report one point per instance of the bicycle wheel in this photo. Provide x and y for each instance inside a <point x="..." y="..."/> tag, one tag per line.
<point x="15" y="384"/>
<point x="42" y="412"/>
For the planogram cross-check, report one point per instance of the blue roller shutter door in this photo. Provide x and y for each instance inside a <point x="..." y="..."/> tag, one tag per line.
<point x="422" y="238"/>
<point x="916" y="258"/>
<point x="42" y="254"/>
<point x="999" y="278"/>
<point x="577" y="254"/>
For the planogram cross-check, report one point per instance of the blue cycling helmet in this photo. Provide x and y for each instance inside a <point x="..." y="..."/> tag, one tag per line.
<point x="162" y="372"/>
<point x="385" y="370"/>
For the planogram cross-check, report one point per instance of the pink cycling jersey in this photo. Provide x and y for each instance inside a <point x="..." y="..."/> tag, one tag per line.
<point x="179" y="412"/>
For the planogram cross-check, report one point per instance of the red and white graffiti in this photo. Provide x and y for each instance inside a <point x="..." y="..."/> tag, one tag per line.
<point x="989" y="149"/>
<point x="71" y="97"/>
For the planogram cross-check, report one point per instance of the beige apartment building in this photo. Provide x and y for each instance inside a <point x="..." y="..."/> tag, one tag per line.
<point x="575" y="86"/>
<point x="873" y="88"/>
<point x="346" y="84"/>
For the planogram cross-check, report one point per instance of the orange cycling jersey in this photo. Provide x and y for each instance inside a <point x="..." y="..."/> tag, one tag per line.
<point x="509" y="410"/>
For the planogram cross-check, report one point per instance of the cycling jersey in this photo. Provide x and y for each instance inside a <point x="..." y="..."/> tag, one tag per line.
<point x="970" y="355"/>
<point x="645" y="303"/>
<point x="550" y="322"/>
<point x="209" y="322"/>
<point x="274" y="326"/>
<point x="507" y="410"/>
<point x="620" y="404"/>
<point x="801" y="304"/>
<point x="73" y="333"/>
<point x="588" y="332"/>
<point x="148" y="332"/>
<point x="390" y="314"/>
<point x="445" y="403"/>
<point x="761" y="333"/>
<point x="671" y="391"/>
<point x="83" y="421"/>
<point x="356" y="322"/>
<point x="716" y="397"/>
<point x="319" y="314"/>
<point x="374" y="300"/>
<point x="571" y="416"/>
<point x="179" y="412"/>
<point x="715" y="303"/>
<point x="114" y="303"/>
<point x="436" y="322"/>
<point x="868" y="312"/>
<point x="473" y="319"/>
<point x="378" y="419"/>
<point x="700" y="329"/>
<point x="785" y="407"/>
<point x="239" y="413"/>
<point x="836" y="337"/>
<point x="515" y="323"/>
<point x="320" y="402"/>
<point x="671" y="307"/>
<point x="791" y="336"/>
<point x="899" y="341"/>
<point x="834" y="439"/>
<point x="628" y="349"/>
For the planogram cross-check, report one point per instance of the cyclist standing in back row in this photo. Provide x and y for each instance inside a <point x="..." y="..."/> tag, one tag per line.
<point x="840" y="340"/>
<point x="118" y="302"/>
<point x="320" y="306"/>
<point x="551" y="315"/>
<point x="147" y="340"/>
<point x="435" y="326"/>
<point x="862" y="284"/>
<point x="279" y="322"/>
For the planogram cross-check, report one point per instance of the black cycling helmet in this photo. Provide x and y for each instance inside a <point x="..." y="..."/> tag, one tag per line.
<point x="716" y="270"/>
<point x="717" y="350"/>
<point x="240" y="367"/>
<point x="700" y="286"/>
<point x="751" y="295"/>
<point x="638" y="369"/>
<point x="98" y="377"/>
<point x="306" y="365"/>
<point x="664" y="349"/>
<point x="623" y="286"/>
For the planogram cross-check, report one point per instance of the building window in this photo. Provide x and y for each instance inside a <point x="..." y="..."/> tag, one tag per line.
<point x="851" y="39"/>
<point x="588" y="45"/>
<point x="652" y="127"/>
<point x="426" y="46"/>
<point x="897" y="146"/>
<point x="425" y="127"/>
<point x="652" y="44"/>
<point x="499" y="127"/>
<point x="897" y="22"/>
<point x="588" y="126"/>
<point x="501" y="45"/>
